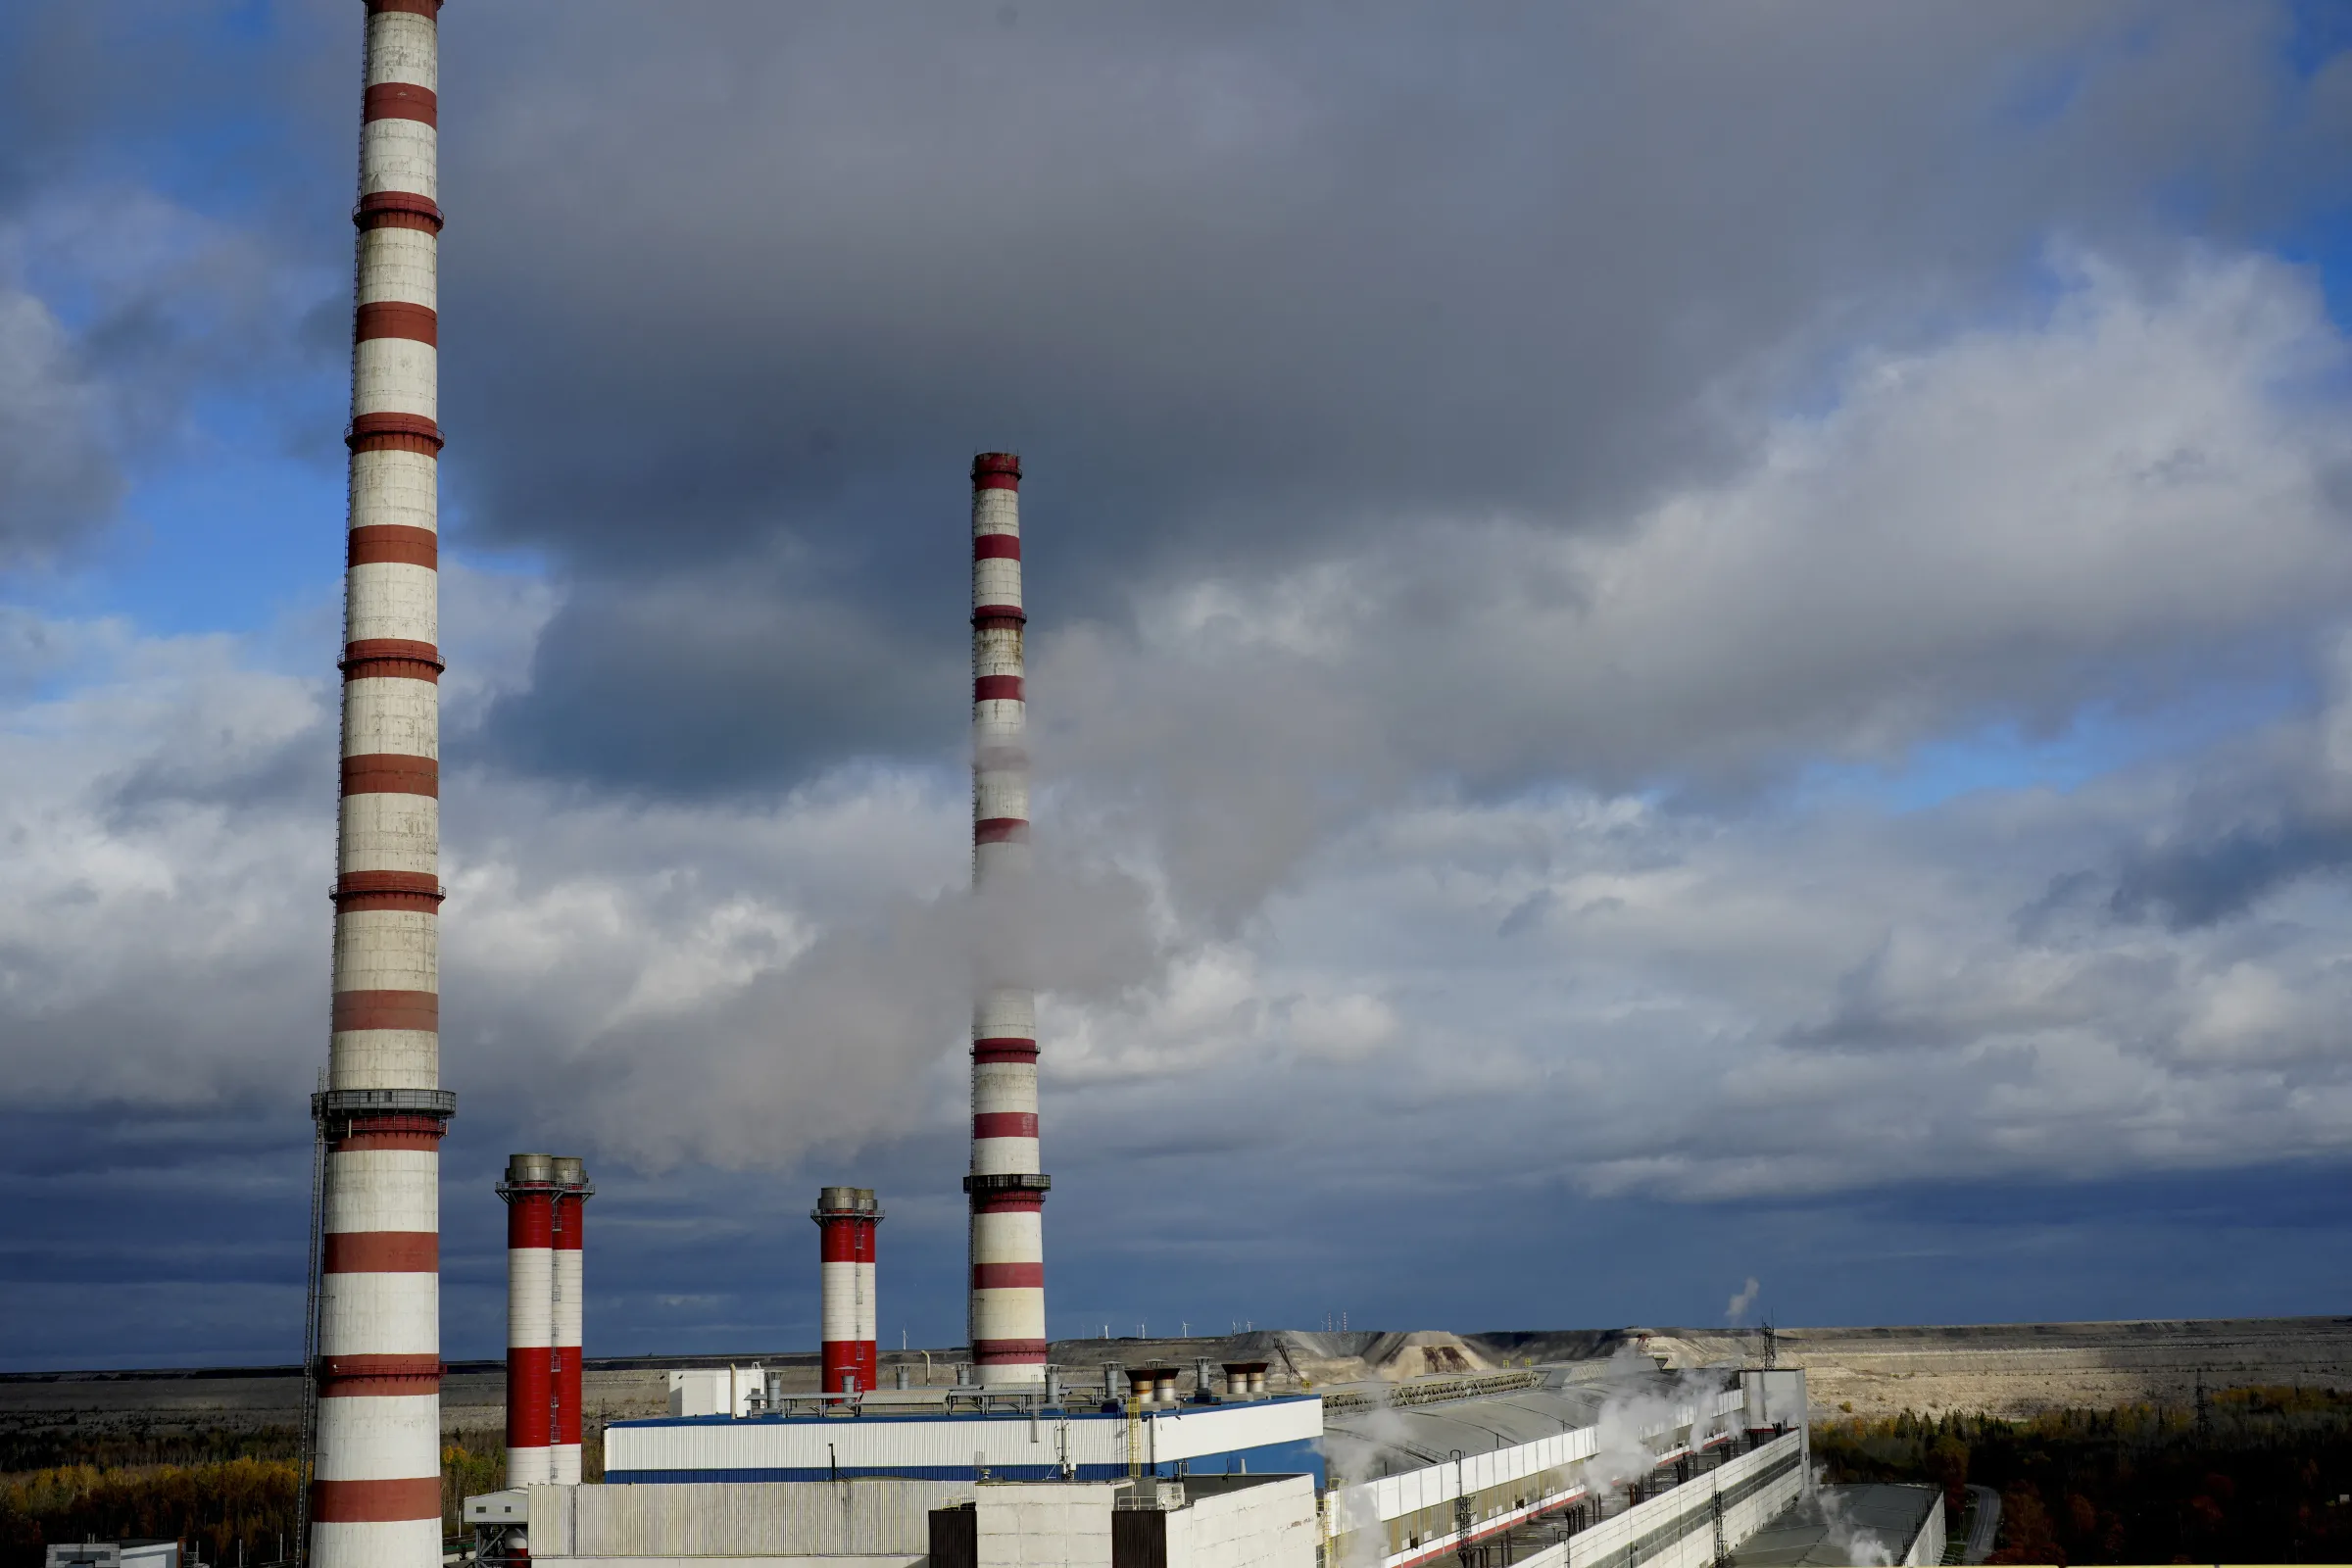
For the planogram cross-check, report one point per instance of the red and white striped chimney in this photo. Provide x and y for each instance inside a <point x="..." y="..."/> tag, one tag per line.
<point x="531" y="1193"/>
<point x="573" y="1192"/>
<point x="1007" y="1320"/>
<point x="848" y="1357"/>
<point x="375" y="1493"/>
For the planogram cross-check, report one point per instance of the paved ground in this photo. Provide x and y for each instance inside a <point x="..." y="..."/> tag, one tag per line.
<point x="1983" y="1524"/>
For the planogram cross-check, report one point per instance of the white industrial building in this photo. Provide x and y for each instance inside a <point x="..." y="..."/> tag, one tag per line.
<point x="143" y="1553"/>
<point x="916" y="1434"/>
<point x="1593" y="1463"/>
<point x="896" y="1522"/>
<point x="1598" y="1465"/>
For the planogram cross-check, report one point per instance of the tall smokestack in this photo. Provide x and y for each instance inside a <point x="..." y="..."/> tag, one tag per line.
<point x="848" y="1358"/>
<point x="1007" y="1320"/>
<point x="531" y="1193"/>
<point x="375" y="1493"/>
<point x="573" y="1192"/>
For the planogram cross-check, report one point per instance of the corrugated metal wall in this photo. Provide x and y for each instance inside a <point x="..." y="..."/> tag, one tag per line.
<point x="1676" y="1530"/>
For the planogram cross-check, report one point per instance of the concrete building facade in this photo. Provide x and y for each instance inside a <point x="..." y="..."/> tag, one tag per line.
<point x="1625" y="1470"/>
<point x="896" y="1522"/>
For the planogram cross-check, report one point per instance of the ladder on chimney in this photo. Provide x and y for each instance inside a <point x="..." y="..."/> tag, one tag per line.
<point x="306" y="1464"/>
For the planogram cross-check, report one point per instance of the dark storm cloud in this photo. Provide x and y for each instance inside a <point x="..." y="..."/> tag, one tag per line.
<point x="718" y="680"/>
<point x="1234" y="279"/>
<point x="56" y="476"/>
<point x="2251" y="827"/>
<point x="2221" y="875"/>
<point x="1224" y="266"/>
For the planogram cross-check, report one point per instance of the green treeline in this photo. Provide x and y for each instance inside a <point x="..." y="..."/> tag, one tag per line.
<point x="146" y="1443"/>
<point x="211" y="1508"/>
<point x="211" y="1491"/>
<point x="2248" y="1475"/>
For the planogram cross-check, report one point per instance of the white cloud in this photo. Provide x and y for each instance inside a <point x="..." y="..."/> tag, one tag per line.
<point x="2140" y="490"/>
<point x="56" y="472"/>
<point x="1291" y="879"/>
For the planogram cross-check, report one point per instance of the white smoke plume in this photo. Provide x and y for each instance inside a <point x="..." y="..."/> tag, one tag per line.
<point x="1850" y="1542"/>
<point x="1354" y="1457"/>
<point x="1640" y="1412"/>
<point x="1741" y="1299"/>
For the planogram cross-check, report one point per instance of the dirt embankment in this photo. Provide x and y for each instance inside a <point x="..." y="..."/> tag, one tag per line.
<point x="2000" y="1369"/>
<point x="2018" y="1369"/>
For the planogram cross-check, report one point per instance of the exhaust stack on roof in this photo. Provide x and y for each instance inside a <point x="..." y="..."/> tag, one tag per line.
<point x="546" y="1196"/>
<point x="567" y="1284"/>
<point x="530" y="1190"/>
<point x="1007" y="1321"/>
<point x="846" y="1217"/>
<point x="375" y="1493"/>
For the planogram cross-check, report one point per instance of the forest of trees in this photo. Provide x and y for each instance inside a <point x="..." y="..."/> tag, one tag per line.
<point x="209" y="1490"/>
<point x="2242" y="1475"/>
<point x="227" y="1497"/>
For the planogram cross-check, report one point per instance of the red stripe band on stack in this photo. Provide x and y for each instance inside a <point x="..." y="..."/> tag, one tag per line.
<point x="392" y="544"/>
<point x="401" y="100"/>
<point x="397" y="209"/>
<point x="420" y="324"/>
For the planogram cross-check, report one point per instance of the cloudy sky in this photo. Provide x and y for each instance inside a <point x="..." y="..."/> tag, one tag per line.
<point x="1670" y="643"/>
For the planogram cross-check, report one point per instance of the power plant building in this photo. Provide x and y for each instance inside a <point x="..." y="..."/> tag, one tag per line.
<point x="1589" y="1465"/>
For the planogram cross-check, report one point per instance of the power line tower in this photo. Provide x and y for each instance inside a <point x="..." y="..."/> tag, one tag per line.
<point x="1772" y="1344"/>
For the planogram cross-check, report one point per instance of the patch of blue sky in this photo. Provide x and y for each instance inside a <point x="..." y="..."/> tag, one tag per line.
<point x="229" y="155"/>
<point x="2322" y="241"/>
<point x="2099" y="739"/>
<point x="228" y="535"/>
<point x="2313" y="227"/>
<point x="2041" y="90"/>
<point x="2318" y="31"/>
